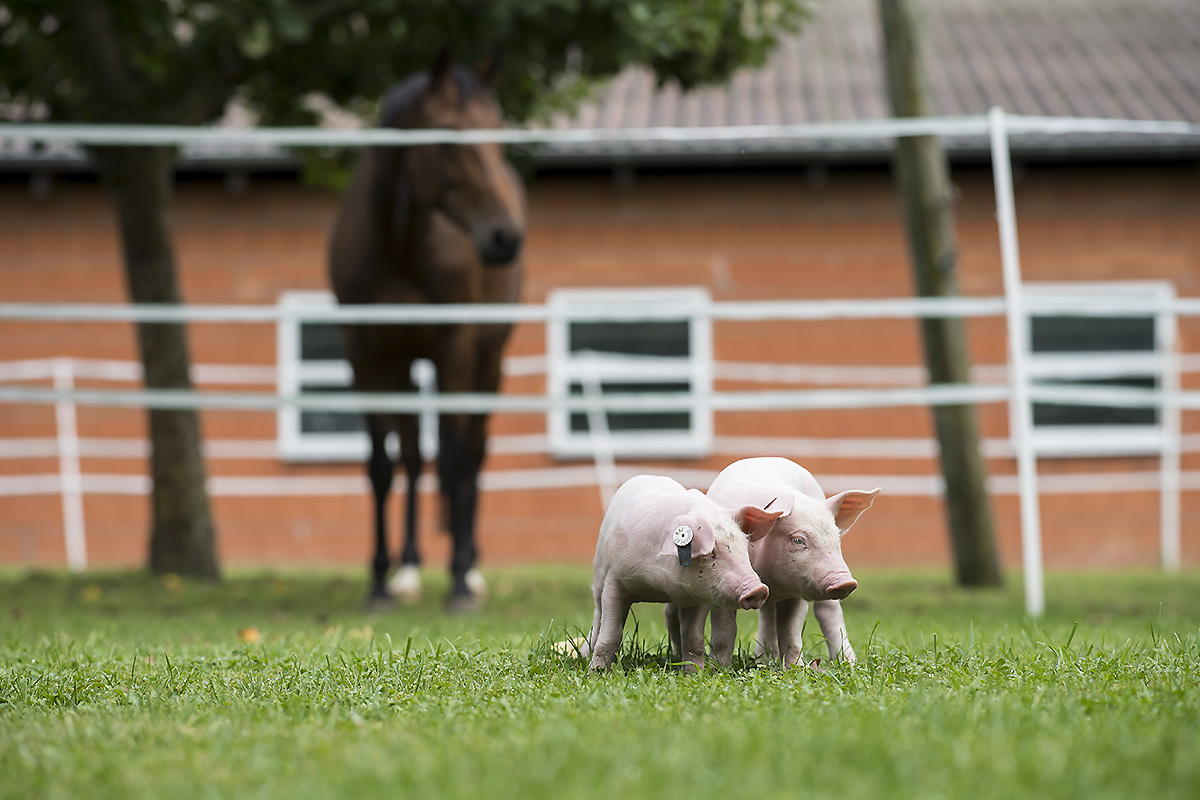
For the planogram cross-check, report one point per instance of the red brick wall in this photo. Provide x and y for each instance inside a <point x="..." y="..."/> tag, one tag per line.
<point x="744" y="236"/>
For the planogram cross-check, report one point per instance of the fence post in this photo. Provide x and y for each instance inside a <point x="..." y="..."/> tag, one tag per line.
<point x="1170" y="464"/>
<point x="598" y="433"/>
<point x="1018" y="375"/>
<point x="69" y="474"/>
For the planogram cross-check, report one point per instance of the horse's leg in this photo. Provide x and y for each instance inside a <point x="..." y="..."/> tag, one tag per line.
<point x="379" y="469"/>
<point x="460" y="456"/>
<point x="406" y="583"/>
<point x="458" y="472"/>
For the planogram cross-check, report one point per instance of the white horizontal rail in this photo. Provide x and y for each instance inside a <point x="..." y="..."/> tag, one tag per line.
<point x="976" y="125"/>
<point x="795" y="310"/>
<point x="941" y="394"/>
<point x="514" y="312"/>
<point x="473" y="403"/>
<point x="1075" y="366"/>
<point x="872" y="449"/>
<point x="583" y="475"/>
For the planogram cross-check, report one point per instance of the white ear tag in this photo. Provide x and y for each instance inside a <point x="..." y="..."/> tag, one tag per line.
<point x="682" y="536"/>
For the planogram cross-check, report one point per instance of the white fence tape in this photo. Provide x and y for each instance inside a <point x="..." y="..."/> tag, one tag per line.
<point x="976" y="125"/>
<point x="746" y="311"/>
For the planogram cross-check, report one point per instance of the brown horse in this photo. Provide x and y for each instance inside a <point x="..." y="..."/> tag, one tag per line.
<point x="431" y="224"/>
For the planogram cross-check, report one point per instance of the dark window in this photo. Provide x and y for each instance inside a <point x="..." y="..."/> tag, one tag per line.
<point x="624" y="421"/>
<point x="644" y="339"/>
<point x="321" y="341"/>
<point x="1059" y="335"/>
<point x="1093" y="334"/>
<point x="663" y="339"/>
<point x="670" y="357"/>
<point x="325" y="422"/>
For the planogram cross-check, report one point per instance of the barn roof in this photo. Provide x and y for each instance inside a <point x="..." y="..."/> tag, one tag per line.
<point x="1126" y="59"/>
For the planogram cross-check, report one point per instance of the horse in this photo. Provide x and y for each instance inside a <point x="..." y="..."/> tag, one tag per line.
<point x="429" y="224"/>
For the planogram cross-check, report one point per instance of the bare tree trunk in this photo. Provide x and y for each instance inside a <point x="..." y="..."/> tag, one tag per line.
<point x="927" y="198"/>
<point x="181" y="537"/>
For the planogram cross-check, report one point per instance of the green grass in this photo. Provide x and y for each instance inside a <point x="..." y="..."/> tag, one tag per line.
<point x="123" y="685"/>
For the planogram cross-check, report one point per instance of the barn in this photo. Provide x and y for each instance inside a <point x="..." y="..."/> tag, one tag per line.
<point x="689" y="223"/>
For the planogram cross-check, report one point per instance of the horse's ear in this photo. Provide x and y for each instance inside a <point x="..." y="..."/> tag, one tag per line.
<point x="443" y="66"/>
<point x="488" y="69"/>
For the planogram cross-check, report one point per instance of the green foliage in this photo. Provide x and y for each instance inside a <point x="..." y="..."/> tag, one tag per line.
<point x="122" y="685"/>
<point x="181" y="61"/>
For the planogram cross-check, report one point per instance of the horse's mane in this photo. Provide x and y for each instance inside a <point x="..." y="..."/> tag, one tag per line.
<point x="399" y="104"/>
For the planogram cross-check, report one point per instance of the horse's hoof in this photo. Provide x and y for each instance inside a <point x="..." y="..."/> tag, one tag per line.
<point x="376" y="604"/>
<point x="405" y="585"/>
<point x="464" y="603"/>
<point x="476" y="582"/>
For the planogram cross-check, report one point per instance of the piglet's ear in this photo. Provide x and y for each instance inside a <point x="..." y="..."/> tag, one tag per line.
<point x="755" y="522"/>
<point x="848" y="505"/>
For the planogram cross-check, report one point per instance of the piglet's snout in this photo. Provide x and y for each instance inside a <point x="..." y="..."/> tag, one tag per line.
<point x="840" y="586"/>
<point x="755" y="597"/>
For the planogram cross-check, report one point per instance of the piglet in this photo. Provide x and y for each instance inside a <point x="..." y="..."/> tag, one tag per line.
<point x="800" y="560"/>
<point x="662" y="543"/>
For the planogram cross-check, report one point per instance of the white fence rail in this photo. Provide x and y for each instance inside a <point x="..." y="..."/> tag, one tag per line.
<point x="975" y="125"/>
<point x="1020" y="392"/>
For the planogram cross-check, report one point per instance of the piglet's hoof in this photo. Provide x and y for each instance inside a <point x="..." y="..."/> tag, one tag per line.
<point x="464" y="604"/>
<point x="572" y="648"/>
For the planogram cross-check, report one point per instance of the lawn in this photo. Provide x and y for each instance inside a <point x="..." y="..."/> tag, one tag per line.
<point x="279" y="685"/>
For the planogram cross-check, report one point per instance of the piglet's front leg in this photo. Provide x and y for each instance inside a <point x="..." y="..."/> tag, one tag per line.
<point x="613" y="611"/>
<point x="833" y="628"/>
<point x="767" y="643"/>
<point x="789" y="625"/>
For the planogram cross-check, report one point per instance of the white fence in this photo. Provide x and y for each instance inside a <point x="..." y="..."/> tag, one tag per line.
<point x="1016" y="306"/>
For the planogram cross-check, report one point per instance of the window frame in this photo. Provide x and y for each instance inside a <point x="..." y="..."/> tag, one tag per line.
<point x="696" y="369"/>
<point x="1103" y="440"/>
<point x="294" y="374"/>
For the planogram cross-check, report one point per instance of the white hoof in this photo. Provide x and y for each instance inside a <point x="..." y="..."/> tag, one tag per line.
<point x="406" y="584"/>
<point x="476" y="582"/>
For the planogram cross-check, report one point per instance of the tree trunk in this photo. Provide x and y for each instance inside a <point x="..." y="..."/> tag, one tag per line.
<point x="181" y="537"/>
<point x="927" y="199"/>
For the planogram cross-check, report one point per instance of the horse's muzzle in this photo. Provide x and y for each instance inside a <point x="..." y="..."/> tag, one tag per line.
<point x="500" y="246"/>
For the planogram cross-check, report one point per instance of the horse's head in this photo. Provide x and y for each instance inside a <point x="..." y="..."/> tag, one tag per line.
<point x="472" y="184"/>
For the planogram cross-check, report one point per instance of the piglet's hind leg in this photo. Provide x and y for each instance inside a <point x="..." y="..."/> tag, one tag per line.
<point x="724" y="634"/>
<point x="691" y="629"/>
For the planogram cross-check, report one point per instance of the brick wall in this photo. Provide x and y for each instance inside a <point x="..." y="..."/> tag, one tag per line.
<point x="744" y="236"/>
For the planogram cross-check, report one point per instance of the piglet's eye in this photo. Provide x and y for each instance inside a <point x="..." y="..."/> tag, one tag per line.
<point x="799" y="541"/>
